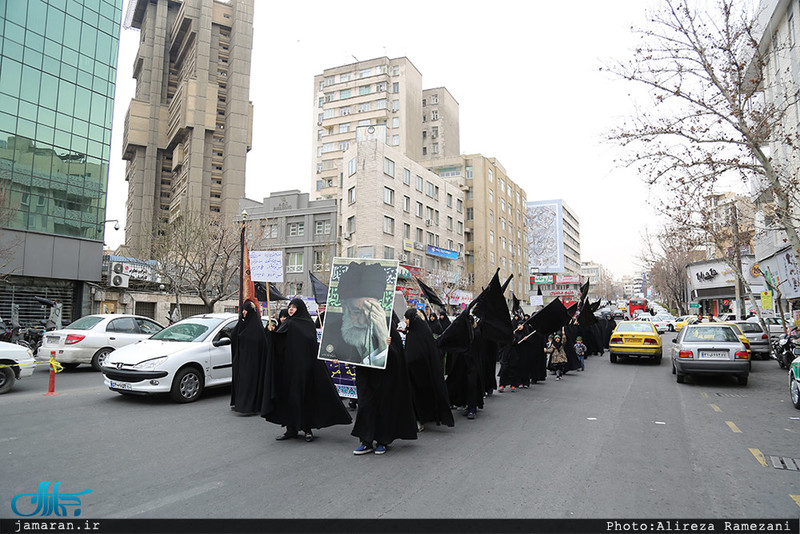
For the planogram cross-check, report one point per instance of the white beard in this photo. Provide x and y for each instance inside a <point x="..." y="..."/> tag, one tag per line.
<point x="366" y="337"/>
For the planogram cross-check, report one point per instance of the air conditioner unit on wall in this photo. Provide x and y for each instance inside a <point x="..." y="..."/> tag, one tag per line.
<point x="428" y="222"/>
<point x="346" y="235"/>
<point x="119" y="280"/>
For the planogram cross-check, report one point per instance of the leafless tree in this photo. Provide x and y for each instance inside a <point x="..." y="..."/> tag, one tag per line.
<point x="199" y="254"/>
<point x="710" y="122"/>
<point x="666" y="255"/>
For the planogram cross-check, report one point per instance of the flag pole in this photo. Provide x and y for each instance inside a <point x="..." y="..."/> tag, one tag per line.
<point x="269" y="312"/>
<point x="241" y="261"/>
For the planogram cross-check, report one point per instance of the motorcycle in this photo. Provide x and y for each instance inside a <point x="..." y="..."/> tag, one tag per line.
<point x="785" y="349"/>
<point x="13" y="333"/>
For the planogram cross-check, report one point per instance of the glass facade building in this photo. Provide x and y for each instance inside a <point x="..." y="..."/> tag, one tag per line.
<point x="57" y="79"/>
<point x="57" y="74"/>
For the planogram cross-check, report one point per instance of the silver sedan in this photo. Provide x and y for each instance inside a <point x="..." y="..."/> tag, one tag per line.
<point x="709" y="349"/>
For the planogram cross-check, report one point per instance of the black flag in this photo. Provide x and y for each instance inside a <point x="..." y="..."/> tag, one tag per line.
<point x="550" y="319"/>
<point x="515" y="304"/>
<point x="430" y="294"/>
<point x="261" y="292"/>
<point x="493" y="313"/>
<point x="505" y="284"/>
<point x="320" y="289"/>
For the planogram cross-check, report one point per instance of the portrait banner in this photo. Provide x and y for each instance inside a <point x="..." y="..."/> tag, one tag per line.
<point x="359" y="311"/>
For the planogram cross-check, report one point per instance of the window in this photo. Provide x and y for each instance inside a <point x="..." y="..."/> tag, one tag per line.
<point x="420" y="234"/>
<point x="322" y="227"/>
<point x="434" y="132"/>
<point x="431" y="239"/>
<point x="364" y="106"/>
<point x="470" y="214"/>
<point x="491" y="175"/>
<point x="330" y="80"/>
<point x="364" y="73"/>
<point x="491" y="258"/>
<point x="395" y="122"/>
<point x="351" y="224"/>
<point x="491" y="216"/>
<point x="320" y="260"/>
<point x="449" y="200"/>
<point x="388" y="196"/>
<point x="388" y="225"/>
<point x="470" y="193"/>
<point x="459" y="228"/>
<point x="491" y="237"/>
<point x="363" y="90"/>
<point x="406" y="176"/>
<point x="296" y="229"/>
<point x="388" y="167"/>
<point x="429" y="213"/>
<point x="420" y="183"/>
<point x="395" y="140"/>
<point x="381" y="104"/>
<point x="295" y="262"/>
<point x="502" y="205"/>
<point x="344" y="128"/>
<point x="449" y="223"/>
<point x="344" y="111"/>
<point x="344" y="77"/>
<point x="388" y="253"/>
<point x="434" y="99"/>
<point x="491" y="196"/>
<point x="351" y="168"/>
<point x="395" y="105"/>
<point x="395" y="70"/>
<point x="351" y="195"/>
<point x="502" y="223"/>
<point x="344" y="145"/>
<point x="329" y="113"/>
<point x="351" y="252"/>
<point x="406" y="231"/>
<point x="431" y="190"/>
<point x="406" y="204"/>
<point x="381" y="86"/>
<point x="271" y="231"/>
<point x="419" y="210"/>
<point x="469" y="173"/>
<point x="459" y="205"/>
<point x="435" y="115"/>
<point x="395" y="87"/>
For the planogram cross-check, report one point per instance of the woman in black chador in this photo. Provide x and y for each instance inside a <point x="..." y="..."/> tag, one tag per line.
<point x="248" y="354"/>
<point x="303" y="396"/>
<point x="431" y="402"/>
<point x="385" y="408"/>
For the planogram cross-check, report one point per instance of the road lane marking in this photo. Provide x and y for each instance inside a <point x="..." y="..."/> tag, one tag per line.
<point x="733" y="427"/>
<point x="761" y="458"/>
<point x="170" y="500"/>
<point x="715" y="408"/>
<point x="796" y="499"/>
<point x="704" y="394"/>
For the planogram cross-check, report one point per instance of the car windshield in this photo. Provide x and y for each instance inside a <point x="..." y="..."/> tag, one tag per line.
<point x="188" y="330"/>
<point x="711" y="333"/>
<point x="641" y="326"/>
<point x="84" y="323"/>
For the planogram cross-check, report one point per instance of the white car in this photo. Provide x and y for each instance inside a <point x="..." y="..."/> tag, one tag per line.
<point x="15" y="362"/>
<point x="182" y="360"/>
<point x="661" y="326"/>
<point x="92" y="338"/>
<point x="669" y="320"/>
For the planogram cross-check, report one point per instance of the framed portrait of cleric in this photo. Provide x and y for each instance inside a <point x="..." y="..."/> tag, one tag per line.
<point x="359" y="311"/>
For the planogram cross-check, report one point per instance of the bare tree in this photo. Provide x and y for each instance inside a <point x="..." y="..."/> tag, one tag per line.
<point x="199" y="254"/>
<point x="710" y="122"/>
<point x="666" y="256"/>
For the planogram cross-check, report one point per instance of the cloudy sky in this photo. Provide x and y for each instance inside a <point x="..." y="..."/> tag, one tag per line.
<point x="526" y="76"/>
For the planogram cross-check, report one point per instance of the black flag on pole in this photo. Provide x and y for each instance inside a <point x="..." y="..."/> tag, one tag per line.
<point x="550" y="319"/>
<point x="492" y="310"/>
<point x="261" y="292"/>
<point x="429" y="293"/>
<point x="515" y="305"/>
<point x="320" y="289"/>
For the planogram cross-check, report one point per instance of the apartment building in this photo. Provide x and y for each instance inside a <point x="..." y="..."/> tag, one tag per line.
<point x="58" y="69"/>
<point x="306" y="231"/>
<point x="381" y="92"/>
<point x="189" y="126"/>
<point x="394" y="208"/>
<point x="554" y="250"/>
<point x="494" y="220"/>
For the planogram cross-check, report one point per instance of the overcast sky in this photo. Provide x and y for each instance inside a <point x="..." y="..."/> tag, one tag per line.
<point x="525" y="75"/>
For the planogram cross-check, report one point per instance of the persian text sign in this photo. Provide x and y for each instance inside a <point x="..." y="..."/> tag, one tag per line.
<point x="266" y="265"/>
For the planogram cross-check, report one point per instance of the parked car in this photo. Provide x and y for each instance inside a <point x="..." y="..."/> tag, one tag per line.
<point x="773" y="323"/>
<point x="661" y="324"/>
<point x="618" y="314"/>
<point x="635" y="338"/>
<point x="708" y="349"/>
<point x="668" y="319"/>
<point x="183" y="359"/>
<point x="755" y="334"/>
<point x="92" y="338"/>
<point x="794" y="382"/>
<point x="16" y="362"/>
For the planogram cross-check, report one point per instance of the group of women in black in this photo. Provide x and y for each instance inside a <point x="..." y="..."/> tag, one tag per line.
<point x="277" y="375"/>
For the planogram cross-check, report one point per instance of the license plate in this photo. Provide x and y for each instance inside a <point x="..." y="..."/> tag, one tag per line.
<point x="714" y="354"/>
<point x="52" y="339"/>
<point x="631" y="340"/>
<point x="121" y="385"/>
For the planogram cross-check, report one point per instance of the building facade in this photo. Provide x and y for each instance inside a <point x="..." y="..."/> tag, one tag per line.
<point x="554" y="250"/>
<point x="189" y="126"/>
<point x="494" y="219"/>
<point x="381" y="92"/>
<point x="57" y="81"/>
<point x="306" y="231"/>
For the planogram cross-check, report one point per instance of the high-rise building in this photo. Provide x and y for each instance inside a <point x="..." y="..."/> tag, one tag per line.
<point x="189" y="126"/>
<point x="381" y="92"/>
<point x="554" y="250"/>
<point x="57" y="79"/>
<point x="494" y="219"/>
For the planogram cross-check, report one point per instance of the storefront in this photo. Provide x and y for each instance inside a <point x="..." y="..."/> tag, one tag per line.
<point x="712" y="285"/>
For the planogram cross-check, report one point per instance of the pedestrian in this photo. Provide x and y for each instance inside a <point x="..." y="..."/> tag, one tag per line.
<point x="429" y="392"/>
<point x="558" y="358"/>
<point x="435" y="325"/>
<point x="304" y="396"/>
<point x="580" y="350"/>
<point x="248" y="354"/>
<point x="385" y="407"/>
<point x="509" y="375"/>
<point x="465" y="382"/>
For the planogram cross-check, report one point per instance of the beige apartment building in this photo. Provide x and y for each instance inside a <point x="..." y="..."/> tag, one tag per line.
<point x="189" y="126"/>
<point x="394" y="208"/>
<point x="494" y="220"/>
<point x="381" y="92"/>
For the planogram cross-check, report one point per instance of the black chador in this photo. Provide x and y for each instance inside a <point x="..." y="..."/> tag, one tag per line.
<point x="248" y="356"/>
<point x="385" y="409"/>
<point x="304" y="397"/>
<point x="428" y="388"/>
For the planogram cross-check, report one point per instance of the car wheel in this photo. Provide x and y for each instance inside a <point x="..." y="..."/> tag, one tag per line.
<point x="680" y="378"/>
<point x="658" y="360"/>
<point x="187" y="386"/>
<point x="613" y="358"/>
<point x="673" y="368"/>
<point x="70" y="366"/>
<point x="742" y="380"/>
<point x="794" y="391"/>
<point x="99" y="357"/>
<point x="671" y="328"/>
<point x="7" y="379"/>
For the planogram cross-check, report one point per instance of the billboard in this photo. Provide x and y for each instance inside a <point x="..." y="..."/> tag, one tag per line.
<point x="546" y="236"/>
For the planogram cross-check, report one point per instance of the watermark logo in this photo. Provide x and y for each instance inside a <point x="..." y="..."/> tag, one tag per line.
<point x="46" y="503"/>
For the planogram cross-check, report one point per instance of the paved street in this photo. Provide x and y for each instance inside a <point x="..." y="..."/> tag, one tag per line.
<point x="616" y="441"/>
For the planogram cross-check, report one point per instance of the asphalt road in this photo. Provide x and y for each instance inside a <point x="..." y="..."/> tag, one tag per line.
<point x="616" y="441"/>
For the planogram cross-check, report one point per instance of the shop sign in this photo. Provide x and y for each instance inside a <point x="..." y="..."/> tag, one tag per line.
<point x="568" y="279"/>
<point x="442" y="253"/>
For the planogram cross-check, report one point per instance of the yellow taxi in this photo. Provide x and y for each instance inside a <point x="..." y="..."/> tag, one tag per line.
<point x="683" y="320"/>
<point x="635" y="338"/>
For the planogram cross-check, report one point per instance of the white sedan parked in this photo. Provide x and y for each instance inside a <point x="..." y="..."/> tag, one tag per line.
<point x="92" y="338"/>
<point x="182" y="360"/>
<point x="660" y="325"/>
<point x="15" y="362"/>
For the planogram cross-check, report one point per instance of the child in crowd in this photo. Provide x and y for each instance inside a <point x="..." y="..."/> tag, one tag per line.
<point x="580" y="350"/>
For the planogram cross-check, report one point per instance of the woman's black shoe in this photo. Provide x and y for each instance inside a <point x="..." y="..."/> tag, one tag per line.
<point x="287" y="435"/>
